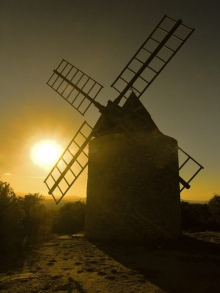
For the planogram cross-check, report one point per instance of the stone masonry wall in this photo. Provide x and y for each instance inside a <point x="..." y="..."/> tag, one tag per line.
<point x="133" y="188"/>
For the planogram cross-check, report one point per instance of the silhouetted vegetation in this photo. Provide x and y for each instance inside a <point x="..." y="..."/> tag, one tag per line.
<point x="70" y="218"/>
<point x="23" y="220"/>
<point x="37" y="220"/>
<point x="214" y="208"/>
<point x="11" y="217"/>
<point x="201" y="217"/>
<point x="26" y="220"/>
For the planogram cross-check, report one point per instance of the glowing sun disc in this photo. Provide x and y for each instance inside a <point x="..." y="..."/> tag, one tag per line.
<point x="45" y="153"/>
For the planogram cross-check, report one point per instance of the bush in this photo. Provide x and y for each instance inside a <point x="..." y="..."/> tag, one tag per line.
<point x="70" y="218"/>
<point x="196" y="217"/>
<point x="11" y="217"/>
<point x="37" y="220"/>
<point x="23" y="221"/>
<point x="214" y="207"/>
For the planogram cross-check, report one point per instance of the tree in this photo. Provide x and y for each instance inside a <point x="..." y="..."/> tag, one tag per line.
<point x="11" y="217"/>
<point x="23" y="220"/>
<point x="196" y="217"/>
<point x="214" y="207"/>
<point x="37" y="222"/>
<point x="70" y="218"/>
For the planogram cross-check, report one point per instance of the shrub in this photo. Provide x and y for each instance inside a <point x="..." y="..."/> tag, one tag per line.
<point x="196" y="217"/>
<point x="70" y="218"/>
<point x="214" y="207"/>
<point x="23" y="220"/>
<point x="11" y="217"/>
<point x="37" y="220"/>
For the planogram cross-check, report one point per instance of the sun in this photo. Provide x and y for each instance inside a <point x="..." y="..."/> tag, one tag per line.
<point x="46" y="153"/>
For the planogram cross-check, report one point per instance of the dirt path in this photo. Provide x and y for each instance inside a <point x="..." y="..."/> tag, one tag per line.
<point x="76" y="265"/>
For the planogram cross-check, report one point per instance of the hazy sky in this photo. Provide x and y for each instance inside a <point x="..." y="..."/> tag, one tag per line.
<point x="100" y="37"/>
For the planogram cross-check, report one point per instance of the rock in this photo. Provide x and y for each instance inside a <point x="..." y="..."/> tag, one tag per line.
<point x="64" y="237"/>
<point x="19" y="277"/>
<point x="78" y="235"/>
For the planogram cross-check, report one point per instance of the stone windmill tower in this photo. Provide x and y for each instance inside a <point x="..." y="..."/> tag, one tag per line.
<point x="133" y="189"/>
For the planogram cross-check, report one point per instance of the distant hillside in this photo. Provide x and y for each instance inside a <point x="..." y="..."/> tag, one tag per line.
<point x="50" y="203"/>
<point x="196" y="201"/>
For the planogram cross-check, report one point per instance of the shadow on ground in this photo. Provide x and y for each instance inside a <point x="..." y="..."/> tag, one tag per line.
<point x="15" y="260"/>
<point x="189" y="265"/>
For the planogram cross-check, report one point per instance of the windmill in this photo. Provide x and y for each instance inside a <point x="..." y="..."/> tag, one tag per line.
<point x="123" y="120"/>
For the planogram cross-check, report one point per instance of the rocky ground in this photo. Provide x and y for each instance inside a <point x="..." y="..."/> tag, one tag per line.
<point x="73" y="264"/>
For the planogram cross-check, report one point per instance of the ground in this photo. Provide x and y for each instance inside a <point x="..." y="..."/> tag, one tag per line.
<point x="74" y="264"/>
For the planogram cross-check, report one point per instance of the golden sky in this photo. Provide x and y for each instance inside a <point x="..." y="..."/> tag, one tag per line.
<point x="100" y="38"/>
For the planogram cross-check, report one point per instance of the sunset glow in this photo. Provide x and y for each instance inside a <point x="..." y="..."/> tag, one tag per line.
<point x="46" y="153"/>
<point x="183" y="101"/>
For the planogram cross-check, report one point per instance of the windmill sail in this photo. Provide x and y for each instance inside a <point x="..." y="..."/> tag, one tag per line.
<point x="74" y="86"/>
<point x="194" y="171"/>
<point x="155" y="53"/>
<point x="70" y="165"/>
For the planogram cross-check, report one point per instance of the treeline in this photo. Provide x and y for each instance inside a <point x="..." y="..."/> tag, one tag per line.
<point x="26" y="220"/>
<point x="201" y="217"/>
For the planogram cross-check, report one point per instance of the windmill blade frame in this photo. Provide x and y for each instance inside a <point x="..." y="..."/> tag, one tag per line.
<point x="195" y="173"/>
<point x="151" y="58"/>
<point x="70" y="164"/>
<point x="74" y="86"/>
